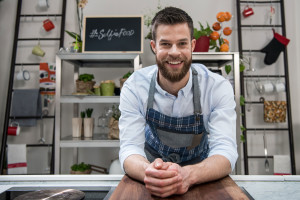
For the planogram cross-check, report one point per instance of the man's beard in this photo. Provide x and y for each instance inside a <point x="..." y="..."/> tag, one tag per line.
<point x="173" y="75"/>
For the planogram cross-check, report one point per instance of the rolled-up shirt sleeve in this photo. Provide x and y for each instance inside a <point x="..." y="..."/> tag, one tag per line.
<point x="222" y="123"/>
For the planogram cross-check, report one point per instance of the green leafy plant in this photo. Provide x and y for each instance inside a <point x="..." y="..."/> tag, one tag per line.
<point x="227" y="69"/>
<point x="74" y="35"/>
<point x="81" y="167"/>
<point x="89" y="112"/>
<point x="148" y="19"/>
<point x="127" y="74"/>
<point x="82" y="114"/>
<point x="242" y="137"/>
<point x="202" y="31"/>
<point x="116" y="112"/>
<point x="242" y="100"/>
<point x="86" y="77"/>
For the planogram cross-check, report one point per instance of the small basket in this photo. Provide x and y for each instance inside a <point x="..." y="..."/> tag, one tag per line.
<point x="122" y="81"/>
<point x="84" y="87"/>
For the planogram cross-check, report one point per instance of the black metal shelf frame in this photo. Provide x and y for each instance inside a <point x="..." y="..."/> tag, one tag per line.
<point x="12" y="72"/>
<point x="286" y="76"/>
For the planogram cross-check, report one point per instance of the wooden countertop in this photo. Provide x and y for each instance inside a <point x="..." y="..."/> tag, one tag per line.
<point x="224" y="188"/>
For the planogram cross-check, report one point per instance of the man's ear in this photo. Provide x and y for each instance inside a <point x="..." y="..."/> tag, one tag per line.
<point x="193" y="44"/>
<point x="152" y="43"/>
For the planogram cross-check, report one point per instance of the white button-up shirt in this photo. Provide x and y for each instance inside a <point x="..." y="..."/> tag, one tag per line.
<point x="217" y="103"/>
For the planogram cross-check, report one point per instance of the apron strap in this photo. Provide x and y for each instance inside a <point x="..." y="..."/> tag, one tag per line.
<point x="151" y="92"/>
<point x="196" y="93"/>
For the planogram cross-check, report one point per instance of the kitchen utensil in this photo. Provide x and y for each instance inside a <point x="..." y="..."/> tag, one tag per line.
<point x="248" y="96"/>
<point x="49" y="160"/>
<point x="68" y="194"/>
<point x="258" y="86"/>
<point x="267" y="168"/>
<point x="42" y="136"/>
<point x="251" y="67"/>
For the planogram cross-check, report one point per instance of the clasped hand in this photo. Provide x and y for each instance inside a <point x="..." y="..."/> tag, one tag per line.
<point x="165" y="178"/>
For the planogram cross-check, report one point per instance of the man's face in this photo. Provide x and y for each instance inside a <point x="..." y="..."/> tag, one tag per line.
<point x="173" y="48"/>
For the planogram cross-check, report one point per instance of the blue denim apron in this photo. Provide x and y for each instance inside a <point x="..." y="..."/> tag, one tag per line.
<point x="181" y="140"/>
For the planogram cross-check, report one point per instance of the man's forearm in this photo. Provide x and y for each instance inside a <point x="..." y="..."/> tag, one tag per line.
<point x="135" y="166"/>
<point x="210" y="169"/>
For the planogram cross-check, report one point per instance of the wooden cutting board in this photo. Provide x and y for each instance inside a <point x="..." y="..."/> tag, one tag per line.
<point x="224" y="188"/>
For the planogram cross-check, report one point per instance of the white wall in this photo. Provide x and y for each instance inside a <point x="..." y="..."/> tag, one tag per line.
<point x="202" y="11"/>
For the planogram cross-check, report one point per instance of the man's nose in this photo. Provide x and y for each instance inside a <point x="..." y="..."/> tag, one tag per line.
<point x="174" y="51"/>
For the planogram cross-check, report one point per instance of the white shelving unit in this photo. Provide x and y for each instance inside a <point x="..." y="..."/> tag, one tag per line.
<point x="212" y="60"/>
<point x="79" y="60"/>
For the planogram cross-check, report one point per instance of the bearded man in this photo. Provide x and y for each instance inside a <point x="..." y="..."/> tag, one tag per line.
<point x="178" y="120"/>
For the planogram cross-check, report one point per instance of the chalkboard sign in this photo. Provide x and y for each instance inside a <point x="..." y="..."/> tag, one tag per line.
<point x="113" y="34"/>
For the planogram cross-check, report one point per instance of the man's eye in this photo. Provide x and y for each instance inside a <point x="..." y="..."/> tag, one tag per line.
<point x="182" y="43"/>
<point x="165" y="44"/>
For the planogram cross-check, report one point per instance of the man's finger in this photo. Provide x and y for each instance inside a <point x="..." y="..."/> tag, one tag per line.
<point x="161" y="174"/>
<point x="158" y="163"/>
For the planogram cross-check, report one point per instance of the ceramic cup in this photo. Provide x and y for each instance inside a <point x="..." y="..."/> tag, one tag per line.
<point x="13" y="129"/>
<point x="248" y="11"/>
<point x="48" y="25"/>
<point x="267" y="87"/>
<point x="279" y="87"/>
<point x="43" y="4"/>
<point x="38" y="51"/>
<point x="97" y="91"/>
<point x="107" y="89"/>
<point x="23" y="75"/>
<point x="76" y="127"/>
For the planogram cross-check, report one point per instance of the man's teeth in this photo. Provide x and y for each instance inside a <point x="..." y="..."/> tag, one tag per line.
<point x="175" y="63"/>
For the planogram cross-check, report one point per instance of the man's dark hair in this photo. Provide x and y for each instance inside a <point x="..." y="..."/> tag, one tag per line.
<point x="171" y="16"/>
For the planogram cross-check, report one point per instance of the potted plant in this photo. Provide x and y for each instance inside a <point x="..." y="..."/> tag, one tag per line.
<point x="81" y="168"/>
<point x="77" y="44"/>
<point x="202" y="37"/>
<point x="107" y="88"/>
<point x="85" y="83"/>
<point x="124" y="78"/>
<point x="114" y="123"/>
<point x="88" y="123"/>
<point x="77" y="125"/>
<point x="211" y="37"/>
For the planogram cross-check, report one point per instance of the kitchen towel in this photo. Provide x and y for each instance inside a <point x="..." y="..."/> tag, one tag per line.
<point x="16" y="159"/>
<point x="26" y="102"/>
<point x="282" y="165"/>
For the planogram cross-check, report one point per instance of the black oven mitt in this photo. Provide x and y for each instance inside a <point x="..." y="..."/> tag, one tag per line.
<point x="274" y="48"/>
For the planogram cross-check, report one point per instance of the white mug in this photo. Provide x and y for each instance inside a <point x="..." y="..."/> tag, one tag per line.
<point x="279" y="87"/>
<point x="267" y="88"/>
<point x="43" y="4"/>
<point x="23" y="75"/>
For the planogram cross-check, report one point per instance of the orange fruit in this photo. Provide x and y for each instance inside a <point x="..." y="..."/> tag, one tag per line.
<point x="214" y="35"/>
<point x="224" y="47"/>
<point x="226" y="41"/>
<point x="216" y="26"/>
<point x="228" y="16"/>
<point x="221" y="17"/>
<point x="227" y="31"/>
